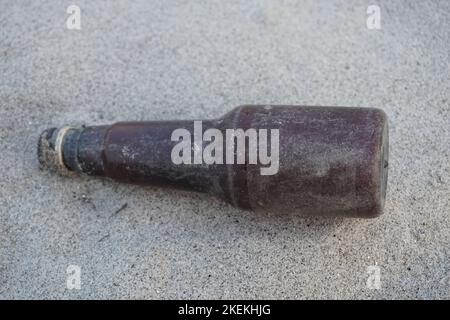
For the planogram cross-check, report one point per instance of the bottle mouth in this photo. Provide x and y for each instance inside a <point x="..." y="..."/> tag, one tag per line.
<point x="49" y="149"/>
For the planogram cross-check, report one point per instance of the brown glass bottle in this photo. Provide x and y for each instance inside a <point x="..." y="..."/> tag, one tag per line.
<point x="332" y="160"/>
